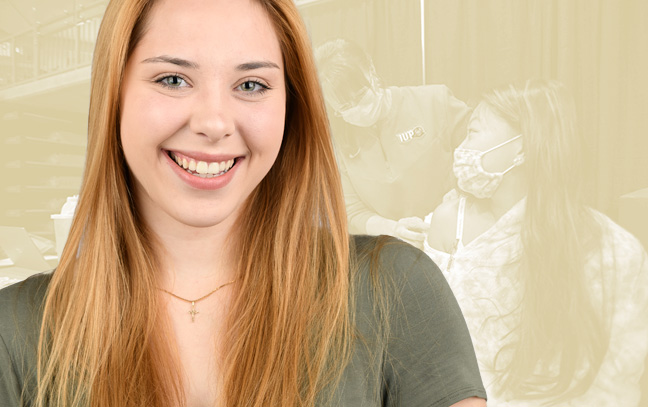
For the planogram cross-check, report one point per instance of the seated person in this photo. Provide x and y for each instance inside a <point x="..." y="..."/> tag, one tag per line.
<point x="554" y="292"/>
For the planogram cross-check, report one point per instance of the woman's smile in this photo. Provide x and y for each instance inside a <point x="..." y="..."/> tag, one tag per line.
<point x="203" y="109"/>
<point x="208" y="173"/>
<point x="205" y="169"/>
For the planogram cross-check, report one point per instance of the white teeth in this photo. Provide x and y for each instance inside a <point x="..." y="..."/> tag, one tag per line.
<point x="203" y="169"/>
<point x="217" y="168"/>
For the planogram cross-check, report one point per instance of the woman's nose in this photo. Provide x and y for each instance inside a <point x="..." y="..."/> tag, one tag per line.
<point x="213" y="115"/>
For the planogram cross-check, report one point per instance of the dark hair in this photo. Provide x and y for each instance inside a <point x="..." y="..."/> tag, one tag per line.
<point x="339" y="58"/>
<point x="558" y="322"/>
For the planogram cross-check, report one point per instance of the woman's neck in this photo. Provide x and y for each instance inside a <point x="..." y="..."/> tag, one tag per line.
<point x="194" y="260"/>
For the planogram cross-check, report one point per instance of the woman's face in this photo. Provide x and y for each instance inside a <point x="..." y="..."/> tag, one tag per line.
<point x="487" y="130"/>
<point x="202" y="110"/>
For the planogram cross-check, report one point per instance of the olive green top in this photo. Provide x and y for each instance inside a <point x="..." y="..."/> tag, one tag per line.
<point x="425" y="358"/>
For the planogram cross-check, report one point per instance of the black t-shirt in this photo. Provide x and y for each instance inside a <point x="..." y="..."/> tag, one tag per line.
<point x="414" y="350"/>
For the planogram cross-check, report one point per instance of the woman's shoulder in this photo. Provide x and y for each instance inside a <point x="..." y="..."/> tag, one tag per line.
<point x="33" y="287"/>
<point x="386" y="252"/>
<point x="443" y="225"/>
<point x="401" y="268"/>
<point x="428" y="355"/>
<point x="20" y="321"/>
<point x="447" y="210"/>
<point x="21" y="305"/>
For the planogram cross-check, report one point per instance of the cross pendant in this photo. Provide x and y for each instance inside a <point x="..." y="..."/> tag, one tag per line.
<point x="193" y="311"/>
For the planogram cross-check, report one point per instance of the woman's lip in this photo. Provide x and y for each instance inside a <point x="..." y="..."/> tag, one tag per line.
<point x="199" y="182"/>
<point x="201" y="156"/>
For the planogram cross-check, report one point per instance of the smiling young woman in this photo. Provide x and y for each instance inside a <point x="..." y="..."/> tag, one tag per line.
<point x="208" y="263"/>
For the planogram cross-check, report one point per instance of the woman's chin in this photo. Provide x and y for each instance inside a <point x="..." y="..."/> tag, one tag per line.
<point x="206" y="219"/>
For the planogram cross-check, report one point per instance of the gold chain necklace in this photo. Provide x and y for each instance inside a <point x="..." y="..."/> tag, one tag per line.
<point x="193" y="310"/>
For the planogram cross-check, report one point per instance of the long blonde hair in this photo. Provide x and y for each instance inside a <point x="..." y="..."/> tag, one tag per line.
<point x="102" y="337"/>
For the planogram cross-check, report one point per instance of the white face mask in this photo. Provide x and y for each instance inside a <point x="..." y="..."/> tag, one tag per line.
<point x="471" y="175"/>
<point x="369" y="108"/>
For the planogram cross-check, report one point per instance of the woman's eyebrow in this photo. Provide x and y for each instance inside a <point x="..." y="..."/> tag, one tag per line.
<point x="248" y="66"/>
<point x="172" y="60"/>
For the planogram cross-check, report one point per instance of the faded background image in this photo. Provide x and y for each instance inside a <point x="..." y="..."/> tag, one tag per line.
<point x="425" y="65"/>
<point x="596" y="48"/>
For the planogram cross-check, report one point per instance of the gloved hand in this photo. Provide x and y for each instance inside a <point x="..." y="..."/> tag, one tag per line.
<point x="411" y="229"/>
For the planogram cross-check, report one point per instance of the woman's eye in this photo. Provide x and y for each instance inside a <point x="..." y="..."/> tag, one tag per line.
<point x="173" y="81"/>
<point x="253" y="86"/>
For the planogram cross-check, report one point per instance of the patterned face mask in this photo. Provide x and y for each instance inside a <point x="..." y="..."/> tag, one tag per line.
<point x="471" y="175"/>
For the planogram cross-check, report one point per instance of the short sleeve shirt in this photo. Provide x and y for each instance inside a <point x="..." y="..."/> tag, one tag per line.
<point x="413" y="351"/>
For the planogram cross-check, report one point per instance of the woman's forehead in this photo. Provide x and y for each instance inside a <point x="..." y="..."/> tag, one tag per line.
<point x="210" y="30"/>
